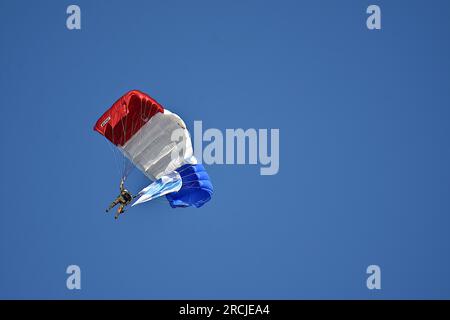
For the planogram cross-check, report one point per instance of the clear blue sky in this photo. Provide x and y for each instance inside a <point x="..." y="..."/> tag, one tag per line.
<point x="364" y="161"/>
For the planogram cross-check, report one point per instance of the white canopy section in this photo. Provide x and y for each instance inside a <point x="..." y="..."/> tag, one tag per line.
<point x="160" y="146"/>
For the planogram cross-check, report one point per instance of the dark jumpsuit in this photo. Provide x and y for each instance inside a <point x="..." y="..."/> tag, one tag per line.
<point x="124" y="198"/>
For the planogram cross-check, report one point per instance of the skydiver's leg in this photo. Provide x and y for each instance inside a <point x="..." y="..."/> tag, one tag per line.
<point x="112" y="205"/>
<point x="120" y="210"/>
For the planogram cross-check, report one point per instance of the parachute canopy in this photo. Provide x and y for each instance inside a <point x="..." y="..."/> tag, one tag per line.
<point x="143" y="131"/>
<point x="158" y="143"/>
<point x="196" y="188"/>
<point x="127" y="116"/>
<point x="164" y="185"/>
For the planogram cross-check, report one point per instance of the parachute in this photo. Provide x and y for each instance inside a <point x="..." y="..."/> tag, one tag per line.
<point x="164" y="185"/>
<point x="194" y="177"/>
<point x="157" y="142"/>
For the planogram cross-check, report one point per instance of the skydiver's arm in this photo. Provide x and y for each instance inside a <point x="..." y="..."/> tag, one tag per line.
<point x="121" y="185"/>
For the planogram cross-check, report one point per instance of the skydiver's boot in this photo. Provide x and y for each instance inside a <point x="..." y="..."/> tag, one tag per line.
<point x="120" y="210"/>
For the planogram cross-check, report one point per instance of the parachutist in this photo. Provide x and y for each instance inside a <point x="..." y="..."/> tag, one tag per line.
<point x="123" y="199"/>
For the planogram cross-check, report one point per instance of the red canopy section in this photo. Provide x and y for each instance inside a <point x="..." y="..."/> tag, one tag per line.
<point x="127" y="116"/>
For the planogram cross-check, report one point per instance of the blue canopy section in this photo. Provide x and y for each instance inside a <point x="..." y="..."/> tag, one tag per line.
<point x="196" y="189"/>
